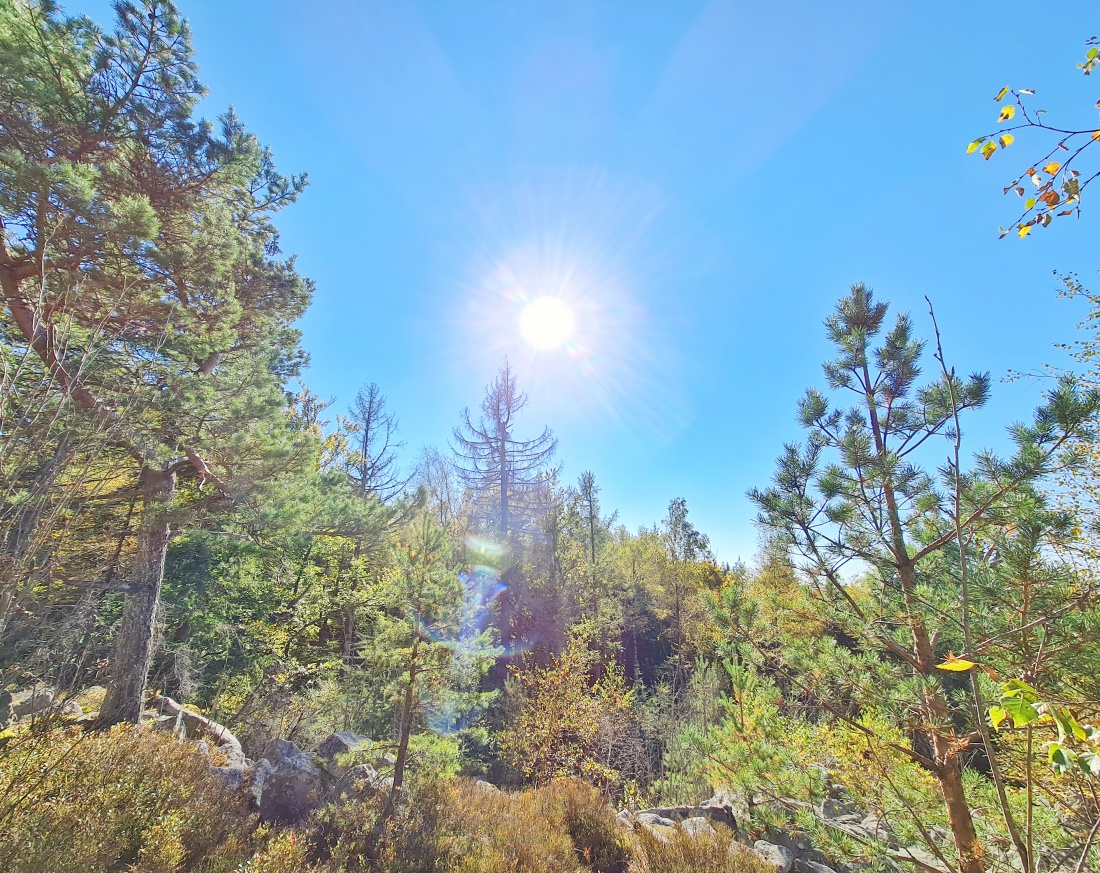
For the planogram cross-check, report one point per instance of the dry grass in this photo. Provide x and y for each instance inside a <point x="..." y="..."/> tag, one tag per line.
<point x="125" y="799"/>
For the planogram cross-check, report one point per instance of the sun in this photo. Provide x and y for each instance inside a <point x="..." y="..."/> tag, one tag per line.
<point x="547" y="323"/>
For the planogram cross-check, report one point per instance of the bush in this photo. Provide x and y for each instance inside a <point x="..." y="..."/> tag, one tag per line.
<point x="680" y="852"/>
<point x="459" y="827"/>
<point x="123" y="799"/>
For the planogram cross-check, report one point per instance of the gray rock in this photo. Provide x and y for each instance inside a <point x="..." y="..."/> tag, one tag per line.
<point x="71" y="709"/>
<point x="780" y="856"/>
<point x="233" y="777"/>
<point x="259" y="777"/>
<point x="289" y="793"/>
<point x="804" y="865"/>
<point x="289" y="757"/>
<point x="652" y="819"/>
<point x="878" y="829"/>
<point x="836" y="809"/>
<point x="31" y="701"/>
<point x="337" y="744"/>
<point x="921" y="857"/>
<point x="720" y="809"/>
<point x="698" y="826"/>
<point x="624" y="819"/>
<point x="166" y="723"/>
<point x="487" y="787"/>
<point x="362" y="780"/>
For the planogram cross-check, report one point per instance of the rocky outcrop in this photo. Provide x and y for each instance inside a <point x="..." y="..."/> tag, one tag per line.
<point x="287" y="790"/>
<point x="779" y="856"/>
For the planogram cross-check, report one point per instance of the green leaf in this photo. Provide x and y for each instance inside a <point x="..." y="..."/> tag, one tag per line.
<point x="1089" y="762"/>
<point x="1022" y="712"/>
<point x="1017" y="687"/>
<point x="1031" y="201"/>
<point x="973" y="147"/>
<point x="1061" y="757"/>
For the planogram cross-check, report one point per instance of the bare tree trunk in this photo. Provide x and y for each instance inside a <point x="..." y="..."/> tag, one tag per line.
<point x="406" y="719"/>
<point x="129" y="665"/>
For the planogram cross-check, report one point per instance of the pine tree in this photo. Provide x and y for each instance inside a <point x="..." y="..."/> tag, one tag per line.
<point x="855" y="495"/>
<point x="506" y="473"/>
<point x="139" y="263"/>
<point x="370" y="432"/>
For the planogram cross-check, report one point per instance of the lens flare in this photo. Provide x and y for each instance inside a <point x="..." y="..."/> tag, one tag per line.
<point x="547" y="323"/>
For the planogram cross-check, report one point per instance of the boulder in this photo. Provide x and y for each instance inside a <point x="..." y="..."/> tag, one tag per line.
<point x="653" y="819"/>
<point x="362" y="780"/>
<point x="780" y="856"/>
<point x="198" y="727"/>
<point x="337" y="744"/>
<point x="805" y="865"/>
<point x="698" y="826"/>
<point x="233" y="777"/>
<point x="290" y="788"/>
<point x="877" y="829"/>
<point x="31" y="701"/>
<point x="487" y="787"/>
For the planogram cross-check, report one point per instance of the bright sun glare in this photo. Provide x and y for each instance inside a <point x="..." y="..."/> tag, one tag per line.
<point x="547" y="323"/>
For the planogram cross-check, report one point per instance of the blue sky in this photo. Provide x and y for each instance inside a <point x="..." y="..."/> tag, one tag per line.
<point x="701" y="181"/>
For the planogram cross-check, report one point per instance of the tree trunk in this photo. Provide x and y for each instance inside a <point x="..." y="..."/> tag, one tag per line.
<point x="129" y="666"/>
<point x="406" y="719"/>
<point x="945" y="744"/>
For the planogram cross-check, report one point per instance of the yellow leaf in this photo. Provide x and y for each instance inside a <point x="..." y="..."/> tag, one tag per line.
<point x="1007" y="140"/>
<point x="973" y="147"/>
<point x="988" y="149"/>
<point x="1052" y="168"/>
<point x="1007" y="112"/>
<point x="1025" y="230"/>
<point x="1001" y="94"/>
<point x="956" y="665"/>
<point x="1096" y="134"/>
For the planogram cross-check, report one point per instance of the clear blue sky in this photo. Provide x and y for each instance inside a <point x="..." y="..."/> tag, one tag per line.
<point x="701" y="180"/>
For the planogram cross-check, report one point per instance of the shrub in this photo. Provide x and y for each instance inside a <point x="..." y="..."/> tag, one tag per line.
<point x="122" y="799"/>
<point x="680" y="852"/>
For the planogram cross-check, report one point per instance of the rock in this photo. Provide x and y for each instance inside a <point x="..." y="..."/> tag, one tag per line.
<point x="720" y="810"/>
<point x="233" y="777"/>
<point x="878" y="829"/>
<point x="194" y="726"/>
<point x="289" y="757"/>
<point x="838" y="809"/>
<point x="71" y="709"/>
<point x="652" y="819"/>
<point x="31" y="701"/>
<point x="624" y="819"/>
<point x="363" y="780"/>
<point x="487" y="787"/>
<point x="804" y="865"/>
<point x="780" y="856"/>
<point x="291" y="789"/>
<point x="698" y="826"/>
<point x="163" y="722"/>
<point x="340" y="743"/>
<point x="259" y="777"/>
<point x="921" y="858"/>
